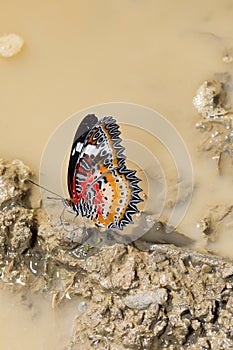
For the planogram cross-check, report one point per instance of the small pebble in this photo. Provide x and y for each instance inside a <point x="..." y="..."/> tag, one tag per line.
<point x="229" y="305"/>
<point x="227" y="272"/>
<point x="82" y="307"/>
<point x="206" y="268"/>
<point x="227" y="59"/>
<point x="228" y="55"/>
<point x="142" y="301"/>
<point x="196" y="324"/>
<point x="10" y="45"/>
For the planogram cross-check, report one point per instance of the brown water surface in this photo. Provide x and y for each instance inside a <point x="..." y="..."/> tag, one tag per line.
<point x="81" y="53"/>
<point x="30" y="323"/>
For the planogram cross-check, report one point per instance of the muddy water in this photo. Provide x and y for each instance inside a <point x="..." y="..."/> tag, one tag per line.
<point x="83" y="53"/>
<point x="29" y="322"/>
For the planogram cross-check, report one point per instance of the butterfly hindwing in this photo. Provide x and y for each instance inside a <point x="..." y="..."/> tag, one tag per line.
<point x="100" y="185"/>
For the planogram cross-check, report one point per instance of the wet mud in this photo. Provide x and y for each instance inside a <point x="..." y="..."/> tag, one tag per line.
<point x="137" y="296"/>
<point x="212" y="104"/>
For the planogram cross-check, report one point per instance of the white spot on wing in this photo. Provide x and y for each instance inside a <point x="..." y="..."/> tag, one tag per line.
<point x="91" y="149"/>
<point x="78" y="147"/>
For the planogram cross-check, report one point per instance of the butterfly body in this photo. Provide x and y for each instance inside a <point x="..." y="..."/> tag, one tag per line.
<point x="100" y="185"/>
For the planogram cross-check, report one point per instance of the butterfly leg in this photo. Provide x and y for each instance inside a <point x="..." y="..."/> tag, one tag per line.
<point x="62" y="216"/>
<point x="63" y="222"/>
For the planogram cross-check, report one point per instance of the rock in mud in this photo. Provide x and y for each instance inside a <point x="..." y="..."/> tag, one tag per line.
<point x="142" y="301"/>
<point x="210" y="99"/>
<point x="216" y="121"/>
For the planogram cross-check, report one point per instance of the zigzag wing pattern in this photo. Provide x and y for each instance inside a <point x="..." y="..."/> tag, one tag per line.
<point x="102" y="188"/>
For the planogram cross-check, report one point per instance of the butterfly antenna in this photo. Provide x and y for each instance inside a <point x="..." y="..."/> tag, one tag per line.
<point x="36" y="184"/>
<point x="55" y="198"/>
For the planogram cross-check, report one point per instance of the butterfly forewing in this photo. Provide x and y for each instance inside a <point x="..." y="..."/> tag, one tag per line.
<point x="84" y="127"/>
<point x="100" y="185"/>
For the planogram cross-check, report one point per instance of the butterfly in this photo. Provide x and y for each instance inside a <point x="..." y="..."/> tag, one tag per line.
<point x="100" y="185"/>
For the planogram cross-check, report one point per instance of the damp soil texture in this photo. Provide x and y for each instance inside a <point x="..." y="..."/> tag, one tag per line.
<point x="137" y="296"/>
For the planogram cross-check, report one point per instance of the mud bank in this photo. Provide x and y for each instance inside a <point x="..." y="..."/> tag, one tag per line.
<point x="138" y="296"/>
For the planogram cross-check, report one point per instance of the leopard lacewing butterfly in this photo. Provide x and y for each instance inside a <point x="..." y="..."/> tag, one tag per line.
<point x="100" y="185"/>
